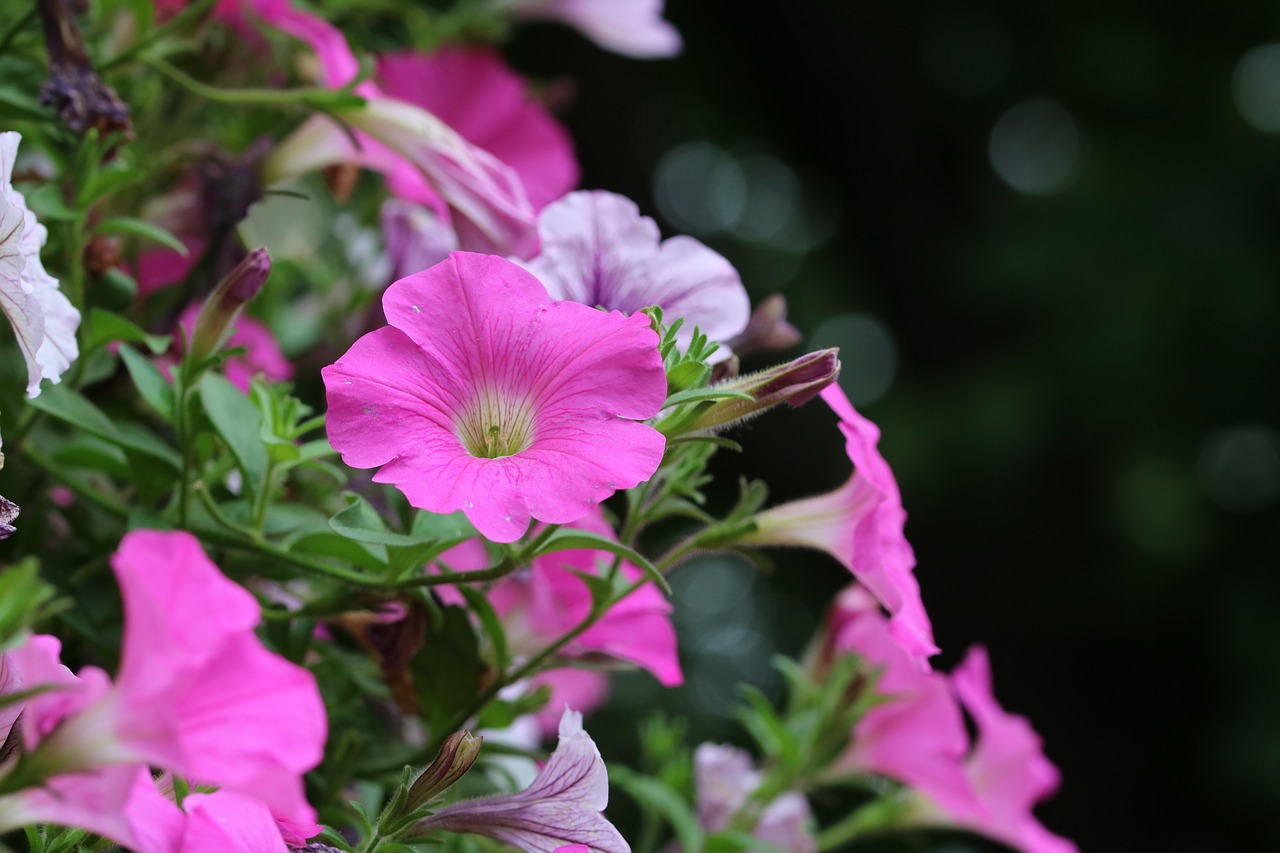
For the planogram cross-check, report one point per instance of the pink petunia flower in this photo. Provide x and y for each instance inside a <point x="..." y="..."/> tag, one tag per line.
<point x="197" y="693"/>
<point x="918" y="736"/>
<point x="629" y="27"/>
<point x="1007" y="768"/>
<point x="44" y="321"/>
<point x="485" y="396"/>
<point x="472" y="90"/>
<point x="726" y="778"/>
<point x="443" y="144"/>
<point x="598" y="250"/>
<point x="860" y="524"/>
<point x="562" y="807"/>
<point x="225" y="820"/>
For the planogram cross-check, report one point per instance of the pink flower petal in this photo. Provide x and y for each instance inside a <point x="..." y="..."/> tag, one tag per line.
<point x="629" y="27"/>
<point x="483" y="397"/>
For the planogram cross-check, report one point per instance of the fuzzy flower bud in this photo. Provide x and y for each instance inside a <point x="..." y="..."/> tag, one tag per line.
<point x="795" y="382"/>
<point x="226" y="302"/>
<point x="451" y="763"/>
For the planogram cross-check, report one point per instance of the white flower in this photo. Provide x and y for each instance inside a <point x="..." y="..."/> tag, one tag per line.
<point x="43" y="319"/>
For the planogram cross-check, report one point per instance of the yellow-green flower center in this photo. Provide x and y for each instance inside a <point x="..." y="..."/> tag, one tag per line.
<point x="497" y="424"/>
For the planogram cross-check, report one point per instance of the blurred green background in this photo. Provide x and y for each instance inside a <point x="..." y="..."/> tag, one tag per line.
<point x="1045" y="237"/>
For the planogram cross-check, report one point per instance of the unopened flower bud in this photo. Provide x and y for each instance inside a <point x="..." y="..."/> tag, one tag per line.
<point x="451" y="763"/>
<point x="226" y="302"/>
<point x="795" y="382"/>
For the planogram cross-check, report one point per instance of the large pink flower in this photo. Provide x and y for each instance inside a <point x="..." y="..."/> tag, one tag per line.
<point x="196" y="693"/>
<point x="485" y="396"/>
<point x="860" y="524"/>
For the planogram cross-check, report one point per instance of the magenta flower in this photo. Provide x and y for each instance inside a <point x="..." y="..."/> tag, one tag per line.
<point x="860" y="524"/>
<point x="1007" y="768"/>
<point x="483" y="395"/>
<point x="225" y="820"/>
<point x="726" y="778"/>
<point x="44" y="321"/>
<point x="598" y="250"/>
<point x="562" y="807"/>
<point x="918" y="736"/>
<point x="629" y="27"/>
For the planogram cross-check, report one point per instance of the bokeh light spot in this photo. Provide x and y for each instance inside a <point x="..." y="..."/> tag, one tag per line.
<point x="1256" y="87"/>
<point x="1239" y="468"/>
<point x="1036" y="148"/>
<point x="700" y="188"/>
<point x="868" y="354"/>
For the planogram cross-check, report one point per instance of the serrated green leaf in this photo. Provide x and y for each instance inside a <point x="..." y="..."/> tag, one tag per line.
<point x="237" y="421"/>
<point x="149" y="381"/>
<point x="569" y="538"/>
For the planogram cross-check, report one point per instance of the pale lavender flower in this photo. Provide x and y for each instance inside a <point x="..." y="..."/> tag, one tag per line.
<point x="598" y="250"/>
<point x="562" y="807"/>
<point x="726" y="778"/>
<point x="633" y="28"/>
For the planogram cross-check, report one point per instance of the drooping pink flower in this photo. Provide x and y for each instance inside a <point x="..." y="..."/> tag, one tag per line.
<point x="119" y="802"/>
<point x="542" y="605"/>
<point x="197" y="693"/>
<point x="416" y="237"/>
<point x="583" y="689"/>
<point x="726" y="778"/>
<point x="261" y="354"/>
<point x="562" y="807"/>
<point x="472" y="90"/>
<point x="1007" y="768"/>
<point x="485" y="396"/>
<point x="630" y="27"/>
<point x="44" y="321"/>
<point x="860" y="524"/>
<point x="226" y="820"/>
<point x="598" y="250"/>
<point x="917" y="736"/>
<point x="428" y="159"/>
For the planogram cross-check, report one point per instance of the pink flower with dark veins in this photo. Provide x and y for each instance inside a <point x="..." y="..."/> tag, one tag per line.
<point x="484" y="395"/>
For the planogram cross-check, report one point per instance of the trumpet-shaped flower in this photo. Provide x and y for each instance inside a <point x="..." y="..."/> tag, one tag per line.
<point x="44" y="321"/>
<point x="918" y="736"/>
<point x="629" y="27"/>
<point x="860" y="524"/>
<point x="196" y="693"/>
<point x="561" y="807"/>
<point x="598" y="250"/>
<point x="485" y="396"/>
<point x="1007" y="768"/>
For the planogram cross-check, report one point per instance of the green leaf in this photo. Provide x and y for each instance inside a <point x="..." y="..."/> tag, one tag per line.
<point x="361" y="522"/>
<point x="18" y="104"/>
<point x="489" y="621"/>
<point x="654" y="795"/>
<point x="695" y="395"/>
<point x="446" y="673"/>
<point x="325" y="543"/>
<point x="237" y="421"/>
<point x="132" y="226"/>
<point x="106" y="181"/>
<point x="72" y="407"/>
<point x="150" y="382"/>
<point x="47" y="204"/>
<point x="106" y="327"/>
<point x="568" y="539"/>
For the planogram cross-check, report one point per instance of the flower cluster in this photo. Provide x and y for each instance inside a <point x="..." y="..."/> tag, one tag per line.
<point x="445" y="421"/>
